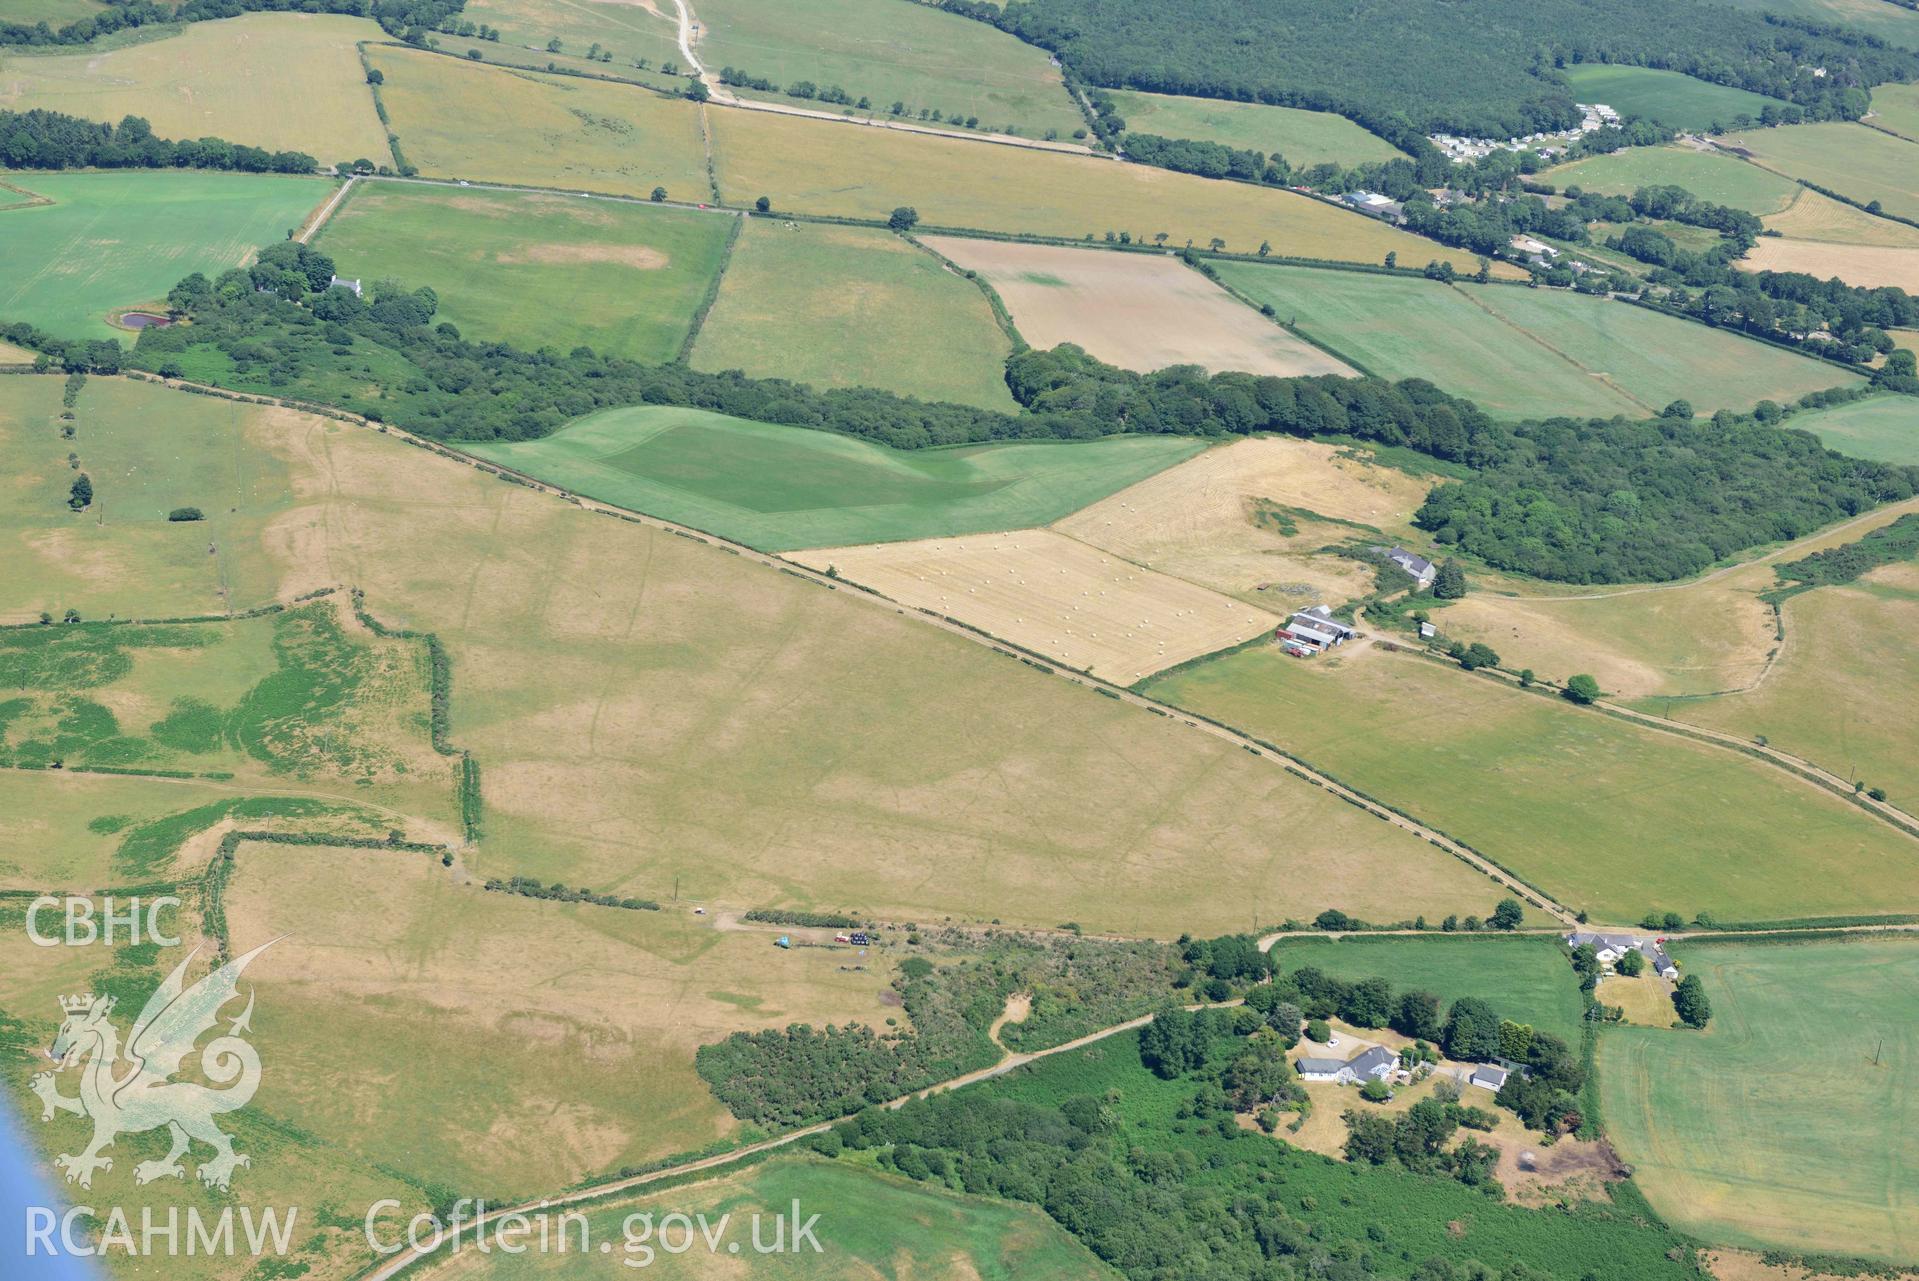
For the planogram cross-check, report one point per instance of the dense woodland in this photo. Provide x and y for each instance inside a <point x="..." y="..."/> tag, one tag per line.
<point x="54" y="140"/>
<point x="1486" y="69"/>
<point x="406" y="18"/>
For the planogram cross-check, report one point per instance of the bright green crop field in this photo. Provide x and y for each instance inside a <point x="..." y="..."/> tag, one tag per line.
<point x="112" y="240"/>
<point x="853" y="307"/>
<point x="779" y="488"/>
<point x="1603" y="815"/>
<point x="1882" y="428"/>
<point x="1664" y="97"/>
<point x="1304" y="138"/>
<point x="1528" y="980"/>
<point x="536" y="269"/>
<point x="1860" y="163"/>
<point x="1786" y="1123"/>
<point x="1720" y="178"/>
<point x="1528" y="352"/>
<point x="887" y="51"/>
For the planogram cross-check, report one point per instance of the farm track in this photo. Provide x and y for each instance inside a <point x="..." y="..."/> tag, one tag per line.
<point x="1292" y="765"/>
<point x="324" y="214"/>
<point x="721" y="95"/>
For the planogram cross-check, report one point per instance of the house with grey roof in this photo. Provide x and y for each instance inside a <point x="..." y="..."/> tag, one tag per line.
<point x="1422" y="570"/>
<point x="1610" y="947"/>
<point x="1488" y="1077"/>
<point x="1375" y="1063"/>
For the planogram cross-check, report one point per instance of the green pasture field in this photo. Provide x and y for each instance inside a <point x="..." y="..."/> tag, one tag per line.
<point x="1779" y="1126"/>
<point x="1304" y="138"/>
<point x="901" y="1229"/>
<point x="1890" y="22"/>
<point x="630" y="32"/>
<point x="817" y="166"/>
<point x="887" y="51"/>
<point x="656" y="717"/>
<point x="1664" y="97"/>
<point x="1839" y="691"/>
<point x="1882" y="428"/>
<point x="1605" y="816"/>
<point x="1896" y="107"/>
<point x="534" y="269"/>
<point x="1528" y="352"/>
<point x="1422" y="1216"/>
<point x="459" y="119"/>
<point x="1528" y="980"/>
<point x="1719" y="178"/>
<point x="146" y="451"/>
<point x="283" y="81"/>
<point x="1860" y="163"/>
<point x="111" y="240"/>
<point x="779" y="488"/>
<point x="853" y="307"/>
<point x="55" y="13"/>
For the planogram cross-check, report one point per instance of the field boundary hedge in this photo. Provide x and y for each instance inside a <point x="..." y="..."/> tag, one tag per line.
<point x="1001" y="315"/>
<point x="440" y="678"/>
<point x="213" y="882"/>
<point x="712" y="294"/>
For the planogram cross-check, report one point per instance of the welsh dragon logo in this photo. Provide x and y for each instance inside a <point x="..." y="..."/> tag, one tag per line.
<point x="135" y="1093"/>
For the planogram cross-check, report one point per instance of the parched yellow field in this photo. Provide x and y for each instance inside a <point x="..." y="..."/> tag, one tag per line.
<point x="650" y="713"/>
<point x="1137" y="311"/>
<point x="1054" y="595"/>
<point x="1647" y="1000"/>
<point x="284" y="81"/>
<point x="826" y="167"/>
<point x="460" y="119"/>
<point x="1199" y="521"/>
<point x="573" y="1060"/>
<point x="1653" y="643"/>
<point x="1870" y="266"/>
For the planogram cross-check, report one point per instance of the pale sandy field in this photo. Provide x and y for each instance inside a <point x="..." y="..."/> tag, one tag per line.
<point x="1058" y="597"/>
<point x="1197" y="521"/>
<point x="1870" y="266"/>
<point x="1137" y="311"/>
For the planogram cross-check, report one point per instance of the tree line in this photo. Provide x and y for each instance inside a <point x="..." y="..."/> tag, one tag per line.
<point x="40" y="139"/>
<point x="407" y="19"/>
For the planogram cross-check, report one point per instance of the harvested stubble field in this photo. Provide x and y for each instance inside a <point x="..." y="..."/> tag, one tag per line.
<point x="459" y="119"/>
<point x="1247" y="518"/>
<point x="1844" y="685"/>
<point x="1714" y="176"/>
<point x="112" y="240"/>
<point x="1781" y="1125"/>
<point x="1137" y="311"/>
<point x="531" y="1085"/>
<point x="629" y="29"/>
<point x="1861" y="163"/>
<point x="1056" y="596"/>
<point x="952" y="1237"/>
<point x="1529" y="352"/>
<point x="651" y="712"/>
<point x="1665" y="97"/>
<point x="777" y="488"/>
<point x="1813" y="216"/>
<point x="887" y="52"/>
<point x="1527" y="980"/>
<point x="1870" y="266"/>
<point x="146" y="451"/>
<point x="853" y="170"/>
<point x="1606" y="816"/>
<point x="283" y="81"/>
<point x="1304" y="138"/>
<point x="853" y="307"/>
<point x="1885" y="428"/>
<point x="537" y="269"/>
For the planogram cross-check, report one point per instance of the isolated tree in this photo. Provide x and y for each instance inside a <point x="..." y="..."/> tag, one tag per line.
<point x="1450" y="582"/>
<point x="80" y="496"/>
<point x="1375" y="1091"/>
<point x="1582" y="689"/>
<point x="1475" y="656"/>
<point x="903" y="218"/>
<point x="1392" y="259"/>
<point x="553" y="45"/>
<point x="1507" y="915"/>
<point x="1317" y="1031"/>
<point x="1265" y="248"/>
<point x="659" y="194"/>
<point x="1216" y="244"/>
<point x="1689" y="999"/>
<point x="1526" y="678"/>
<point x="1631" y="965"/>
<point x="697" y="91"/>
<point x="763" y="204"/>
<point x="376" y="77"/>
